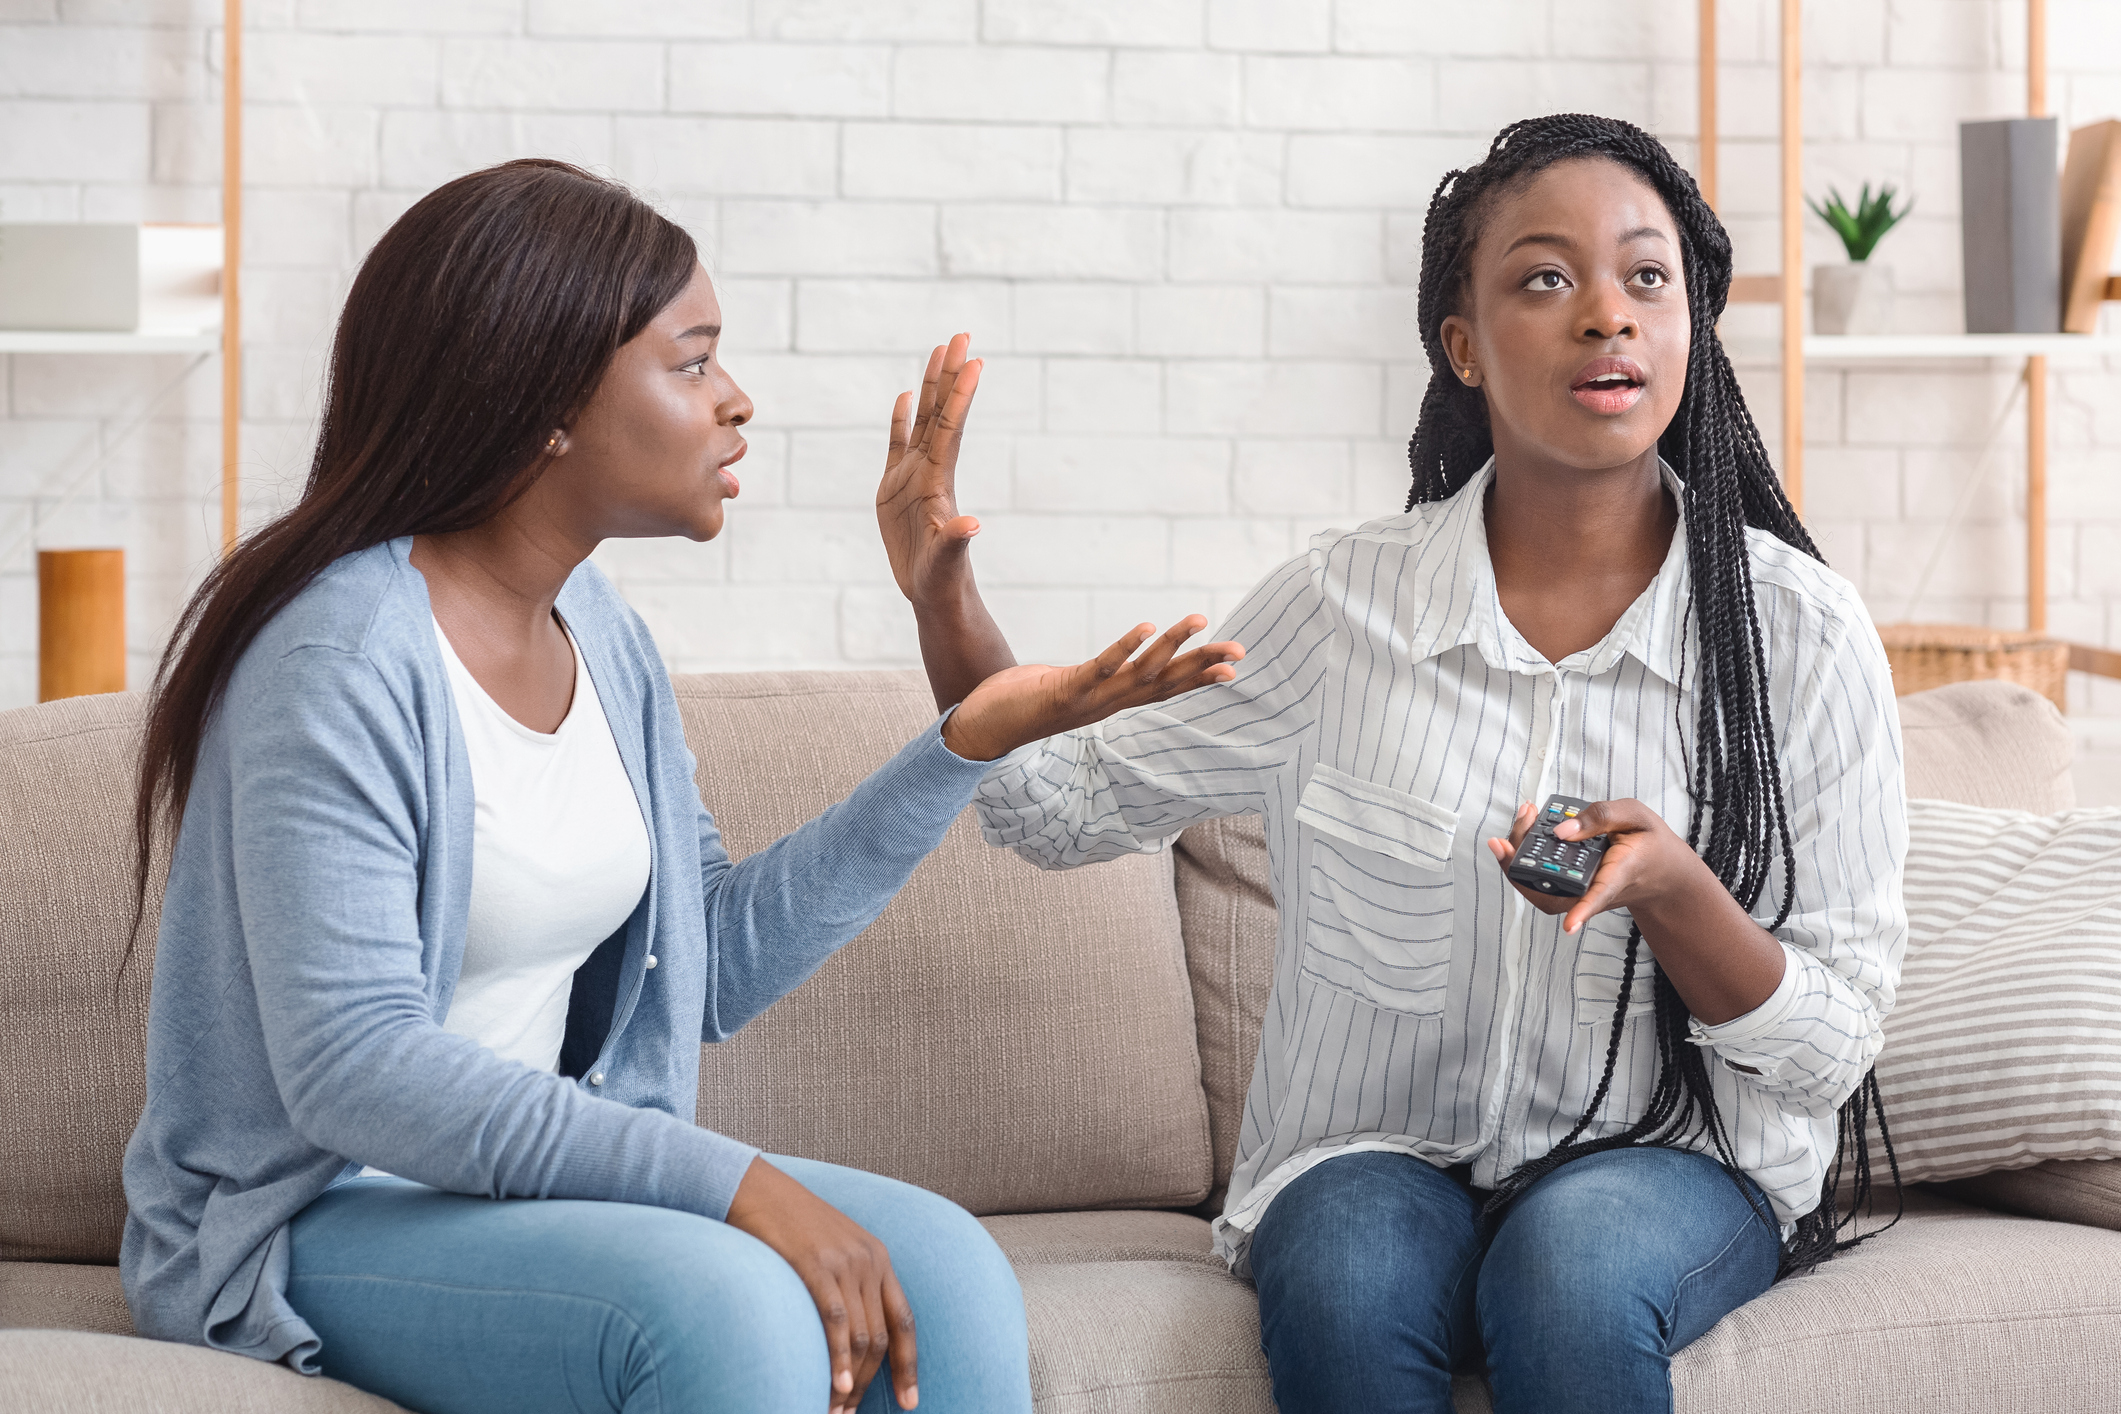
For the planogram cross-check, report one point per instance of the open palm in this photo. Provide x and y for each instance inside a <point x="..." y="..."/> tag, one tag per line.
<point x="916" y="503"/>
<point x="1037" y="700"/>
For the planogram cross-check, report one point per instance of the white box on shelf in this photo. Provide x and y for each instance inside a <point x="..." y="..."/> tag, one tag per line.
<point x="78" y="276"/>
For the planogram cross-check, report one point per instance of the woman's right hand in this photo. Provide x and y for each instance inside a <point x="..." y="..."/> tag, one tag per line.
<point x="848" y="1274"/>
<point x="1032" y="702"/>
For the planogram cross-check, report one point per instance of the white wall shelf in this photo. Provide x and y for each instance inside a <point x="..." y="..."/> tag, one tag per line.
<point x="1922" y="348"/>
<point x="1858" y="348"/>
<point x="116" y="341"/>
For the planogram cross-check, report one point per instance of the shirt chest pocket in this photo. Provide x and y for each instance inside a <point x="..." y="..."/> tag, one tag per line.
<point x="1378" y="892"/>
<point x="1601" y="961"/>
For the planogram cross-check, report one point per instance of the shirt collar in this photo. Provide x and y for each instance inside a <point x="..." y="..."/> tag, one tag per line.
<point x="1652" y="630"/>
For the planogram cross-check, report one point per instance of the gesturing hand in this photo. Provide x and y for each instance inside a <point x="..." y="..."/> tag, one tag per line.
<point x="1644" y="859"/>
<point x="916" y="503"/>
<point x="1034" y="701"/>
<point x="848" y="1274"/>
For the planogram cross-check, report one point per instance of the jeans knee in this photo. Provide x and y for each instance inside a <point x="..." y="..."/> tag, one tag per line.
<point x="1561" y="1307"/>
<point x="969" y="1321"/>
<point x="1366" y="1252"/>
<point x="719" y="1323"/>
<point x="1364" y="1223"/>
<point x="962" y="1287"/>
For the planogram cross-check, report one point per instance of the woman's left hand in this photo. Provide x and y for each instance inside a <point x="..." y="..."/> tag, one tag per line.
<point x="916" y="502"/>
<point x="1035" y="701"/>
<point x="1720" y="960"/>
<point x="1645" y="860"/>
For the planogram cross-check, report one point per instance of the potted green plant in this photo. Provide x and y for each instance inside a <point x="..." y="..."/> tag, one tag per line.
<point x="1856" y="298"/>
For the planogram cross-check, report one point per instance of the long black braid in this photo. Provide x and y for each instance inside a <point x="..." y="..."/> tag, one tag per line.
<point x="1737" y="823"/>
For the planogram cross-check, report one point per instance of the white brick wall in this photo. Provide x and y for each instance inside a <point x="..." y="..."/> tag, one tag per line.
<point x="1184" y="231"/>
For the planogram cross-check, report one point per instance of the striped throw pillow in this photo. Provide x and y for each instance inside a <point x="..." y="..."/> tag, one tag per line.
<point x="2004" y="1047"/>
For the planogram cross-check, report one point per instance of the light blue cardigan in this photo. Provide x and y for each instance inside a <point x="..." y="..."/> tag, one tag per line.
<point x="313" y="930"/>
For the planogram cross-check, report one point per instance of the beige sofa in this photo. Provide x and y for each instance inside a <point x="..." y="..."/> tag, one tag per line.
<point x="1065" y="1054"/>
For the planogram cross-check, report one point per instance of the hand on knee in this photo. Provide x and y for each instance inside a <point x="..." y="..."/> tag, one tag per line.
<point x="848" y="1274"/>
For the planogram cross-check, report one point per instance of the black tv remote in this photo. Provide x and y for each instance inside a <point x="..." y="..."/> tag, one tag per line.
<point x="1555" y="866"/>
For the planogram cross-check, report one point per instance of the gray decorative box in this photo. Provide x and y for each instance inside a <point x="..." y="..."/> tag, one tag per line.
<point x="2010" y="226"/>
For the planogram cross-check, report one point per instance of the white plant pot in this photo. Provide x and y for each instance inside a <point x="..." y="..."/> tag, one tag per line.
<point x="1856" y="298"/>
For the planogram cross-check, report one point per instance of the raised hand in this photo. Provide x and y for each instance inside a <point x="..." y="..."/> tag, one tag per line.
<point x="916" y="503"/>
<point x="1029" y="703"/>
<point x="848" y="1274"/>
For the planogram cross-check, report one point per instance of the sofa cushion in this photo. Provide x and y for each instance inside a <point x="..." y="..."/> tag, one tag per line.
<point x="1013" y="1039"/>
<point x="67" y="1296"/>
<point x="1226" y="907"/>
<point x="108" y="1374"/>
<point x="1143" y="1338"/>
<point x="2004" y="1045"/>
<point x="2061" y="1190"/>
<point x="1131" y="1313"/>
<point x="1988" y="743"/>
<point x="1954" y="1309"/>
<point x="1051" y="1239"/>
<point x="72" y="1037"/>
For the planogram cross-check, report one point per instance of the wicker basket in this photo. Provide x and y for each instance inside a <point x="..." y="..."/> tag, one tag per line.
<point x="1930" y="655"/>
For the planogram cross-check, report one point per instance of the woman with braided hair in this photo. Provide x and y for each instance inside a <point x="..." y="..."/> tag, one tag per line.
<point x="1488" y="1128"/>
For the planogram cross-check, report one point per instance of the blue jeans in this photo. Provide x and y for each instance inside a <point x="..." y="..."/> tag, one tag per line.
<point x="458" y="1305"/>
<point x="1375" y="1282"/>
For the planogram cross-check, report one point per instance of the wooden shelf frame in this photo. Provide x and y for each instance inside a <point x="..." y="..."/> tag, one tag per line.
<point x="231" y="269"/>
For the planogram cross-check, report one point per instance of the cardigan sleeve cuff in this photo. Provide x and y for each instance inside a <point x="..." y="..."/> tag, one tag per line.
<point x="715" y="1181"/>
<point x="936" y="731"/>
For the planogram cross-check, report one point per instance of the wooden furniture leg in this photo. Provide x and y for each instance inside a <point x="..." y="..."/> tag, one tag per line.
<point x="2036" y="493"/>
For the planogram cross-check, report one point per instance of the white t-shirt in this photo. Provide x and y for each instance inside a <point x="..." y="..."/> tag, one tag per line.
<point x="559" y="859"/>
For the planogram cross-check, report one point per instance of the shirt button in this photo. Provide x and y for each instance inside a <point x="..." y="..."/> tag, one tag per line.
<point x="596" y="1077"/>
<point x="651" y="959"/>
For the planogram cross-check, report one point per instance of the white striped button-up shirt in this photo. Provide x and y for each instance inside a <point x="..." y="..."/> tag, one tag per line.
<point x="1386" y="721"/>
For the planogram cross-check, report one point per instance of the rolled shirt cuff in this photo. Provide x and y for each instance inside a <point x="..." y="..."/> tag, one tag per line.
<point x="1730" y="1039"/>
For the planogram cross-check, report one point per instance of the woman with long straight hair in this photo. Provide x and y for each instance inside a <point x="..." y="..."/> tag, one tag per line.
<point x="446" y="921"/>
<point x="1554" y="1131"/>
